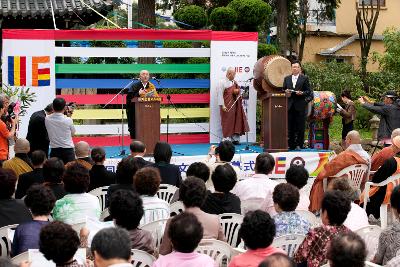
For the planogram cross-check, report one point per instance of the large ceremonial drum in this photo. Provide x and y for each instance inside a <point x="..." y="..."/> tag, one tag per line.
<point x="270" y="71"/>
<point x="323" y="106"/>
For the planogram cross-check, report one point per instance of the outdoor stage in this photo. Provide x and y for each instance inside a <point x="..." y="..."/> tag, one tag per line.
<point x="186" y="154"/>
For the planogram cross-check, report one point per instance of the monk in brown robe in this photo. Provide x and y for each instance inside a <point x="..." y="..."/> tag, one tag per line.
<point x="233" y="118"/>
<point x="386" y="153"/>
<point x="21" y="163"/>
<point x="354" y="154"/>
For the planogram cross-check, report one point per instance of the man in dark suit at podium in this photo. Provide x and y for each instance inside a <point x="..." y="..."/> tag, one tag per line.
<point x="298" y="86"/>
<point x="141" y="88"/>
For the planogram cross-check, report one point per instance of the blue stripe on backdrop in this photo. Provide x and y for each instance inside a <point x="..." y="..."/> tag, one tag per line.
<point x="120" y="83"/>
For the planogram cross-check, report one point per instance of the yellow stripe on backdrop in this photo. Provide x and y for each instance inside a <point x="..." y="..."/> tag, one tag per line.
<point x="17" y="74"/>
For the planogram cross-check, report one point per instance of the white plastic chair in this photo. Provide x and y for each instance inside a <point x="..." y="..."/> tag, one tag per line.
<point x="355" y="173"/>
<point x="230" y="223"/>
<point x="394" y="180"/>
<point x="220" y="251"/>
<point x="310" y="217"/>
<point x="370" y="234"/>
<point x="166" y="192"/>
<point x="288" y="243"/>
<point x="176" y="208"/>
<point x="371" y="264"/>
<point x="24" y="256"/>
<point x="141" y="258"/>
<point x="156" y="229"/>
<point x="100" y="193"/>
<point x="251" y="204"/>
<point x="5" y="242"/>
<point x="104" y="214"/>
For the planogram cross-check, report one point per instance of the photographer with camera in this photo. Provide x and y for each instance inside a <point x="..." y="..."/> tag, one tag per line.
<point x="5" y="133"/>
<point x="60" y="129"/>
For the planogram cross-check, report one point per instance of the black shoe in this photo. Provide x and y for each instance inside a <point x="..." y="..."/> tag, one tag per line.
<point x="236" y="143"/>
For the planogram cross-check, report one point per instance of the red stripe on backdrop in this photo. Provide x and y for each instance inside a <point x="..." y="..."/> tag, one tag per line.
<point x="234" y="36"/>
<point x="172" y="139"/>
<point x="103" y="99"/>
<point x="44" y="71"/>
<point x="22" y="69"/>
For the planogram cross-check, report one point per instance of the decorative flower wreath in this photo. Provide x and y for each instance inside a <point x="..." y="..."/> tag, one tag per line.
<point x="151" y="88"/>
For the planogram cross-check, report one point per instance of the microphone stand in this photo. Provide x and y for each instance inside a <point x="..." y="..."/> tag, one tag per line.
<point x="121" y="93"/>
<point x="169" y="103"/>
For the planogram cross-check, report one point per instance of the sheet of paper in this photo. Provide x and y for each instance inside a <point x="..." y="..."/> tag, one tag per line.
<point x="38" y="260"/>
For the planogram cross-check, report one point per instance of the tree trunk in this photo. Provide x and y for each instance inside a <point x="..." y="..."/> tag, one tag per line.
<point x="146" y="9"/>
<point x="282" y="22"/>
<point x="304" y="11"/>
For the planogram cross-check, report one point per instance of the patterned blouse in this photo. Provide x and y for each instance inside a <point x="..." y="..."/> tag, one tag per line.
<point x="314" y="247"/>
<point x="289" y="222"/>
<point x="389" y="244"/>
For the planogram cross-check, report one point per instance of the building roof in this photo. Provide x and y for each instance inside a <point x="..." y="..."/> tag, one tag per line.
<point x="331" y="51"/>
<point x="37" y="13"/>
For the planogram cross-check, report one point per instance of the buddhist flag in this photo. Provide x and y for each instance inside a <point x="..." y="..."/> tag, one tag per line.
<point x="41" y="71"/>
<point x="17" y="71"/>
<point x="280" y="165"/>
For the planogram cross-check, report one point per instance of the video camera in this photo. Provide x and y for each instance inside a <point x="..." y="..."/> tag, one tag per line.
<point x="69" y="109"/>
<point x="10" y="114"/>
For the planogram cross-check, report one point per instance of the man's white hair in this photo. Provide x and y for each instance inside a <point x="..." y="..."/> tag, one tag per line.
<point x="142" y="71"/>
<point x="230" y="69"/>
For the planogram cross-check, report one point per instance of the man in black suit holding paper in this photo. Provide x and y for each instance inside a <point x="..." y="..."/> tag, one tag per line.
<point x="298" y="86"/>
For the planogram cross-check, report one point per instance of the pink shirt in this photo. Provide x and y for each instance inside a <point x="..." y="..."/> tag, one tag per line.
<point x="252" y="258"/>
<point x="180" y="259"/>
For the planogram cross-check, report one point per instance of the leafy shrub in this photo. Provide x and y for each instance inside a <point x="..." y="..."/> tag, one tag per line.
<point x="252" y="13"/>
<point x="223" y="18"/>
<point x="266" y="50"/>
<point x="193" y="15"/>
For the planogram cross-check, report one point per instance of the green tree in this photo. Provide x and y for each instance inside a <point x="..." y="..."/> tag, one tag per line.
<point x="223" y="18"/>
<point x="390" y="60"/>
<point x="266" y="50"/>
<point x="253" y="13"/>
<point x="193" y="15"/>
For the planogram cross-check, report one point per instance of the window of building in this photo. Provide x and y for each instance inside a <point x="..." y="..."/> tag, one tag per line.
<point x="374" y="2"/>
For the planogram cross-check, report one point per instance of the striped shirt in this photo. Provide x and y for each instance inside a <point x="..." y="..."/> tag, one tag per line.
<point x="154" y="209"/>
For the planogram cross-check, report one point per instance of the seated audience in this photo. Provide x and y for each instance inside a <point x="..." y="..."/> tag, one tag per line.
<point x="222" y="200"/>
<point x="298" y="176"/>
<point x="82" y="154"/>
<point x="53" y="171"/>
<point x="287" y="221"/>
<point x="335" y="207"/>
<point x="25" y="180"/>
<point x="77" y="204"/>
<point x="277" y="260"/>
<point x="389" y="240"/>
<point x="259" y="186"/>
<point x="12" y="211"/>
<point x="126" y="209"/>
<point x="111" y="247"/>
<point x="99" y="175"/>
<point x="170" y="173"/>
<point x="147" y="182"/>
<point x="126" y="169"/>
<point x="59" y="243"/>
<point x="257" y="231"/>
<point x="138" y="150"/>
<point x="185" y="232"/>
<point x="354" y="154"/>
<point x="347" y="250"/>
<point x="192" y="193"/>
<point x="386" y="153"/>
<point x="40" y="200"/>
<point x="357" y="217"/>
<point x="20" y="163"/>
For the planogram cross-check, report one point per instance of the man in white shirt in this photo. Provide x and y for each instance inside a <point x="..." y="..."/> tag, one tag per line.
<point x="259" y="186"/>
<point x="60" y="129"/>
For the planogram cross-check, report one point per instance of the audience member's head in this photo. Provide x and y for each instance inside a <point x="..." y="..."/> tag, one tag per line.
<point x="199" y="170"/>
<point x="53" y="170"/>
<point x="257" y="229"/>
<point x="126" y="169"/>
<point x="59" y="105"/>
<point x="297" y="175"/>
<point x="265" y="163"/>
<point x="40" y="200"/>
<point x="185" y="232"/>
<point x="38" y="158"/>
<point x="162" y="152"/>
<point x="342" y="184"/>
<point x="126" y="208"/>
<point x="110" y="246"/>
<point x="49" y="108"/>
<point x="277" y="260"/>
<point x="353" y="138"/>
<point x="137" y="148"/>
<point x="98" y="155"/>
<point x="395" y="132"/>
<point x="286" y="197"/>
<point x="76" y="179"/>
<point x="224" y="178"/>
<point x="335" y="207"/>
<point x="82" y="149"/>
<point x="396" y="144"/>
<point x="8" y="180"/>
<point x="225" y="151"/>
<point x="395" y="201"/>
<point x="58" y="242"/>
<point x="347" y="250"/>
<point x="5" y="262"/>
<point x="192" y="192"/>
<point x="22" y="146"/>
<point x="147" y="181"/>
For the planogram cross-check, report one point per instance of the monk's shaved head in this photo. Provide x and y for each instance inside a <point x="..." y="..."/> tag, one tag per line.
<point x="353" y="137"/>
<point x="230" y="73"/>
<point x="82" y="149"/>
<point x="21" y="146"/>
<point x="396" y="132"/>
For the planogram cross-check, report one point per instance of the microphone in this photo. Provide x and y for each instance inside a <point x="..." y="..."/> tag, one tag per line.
<point x="157" y="80"/>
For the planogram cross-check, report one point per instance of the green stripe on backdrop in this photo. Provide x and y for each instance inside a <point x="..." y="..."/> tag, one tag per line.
<point x="132" y="68"/>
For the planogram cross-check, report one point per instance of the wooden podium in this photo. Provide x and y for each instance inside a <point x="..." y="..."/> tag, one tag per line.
<point x="147" y="121"/>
